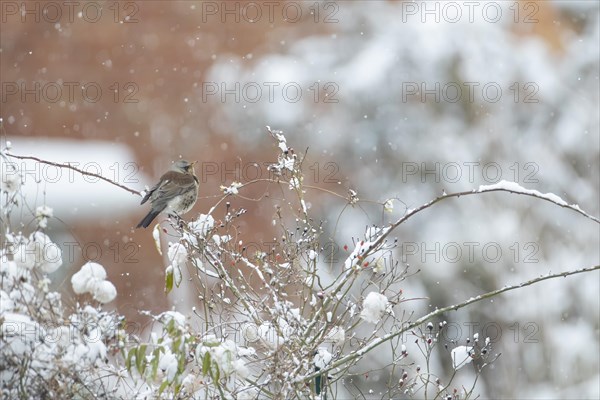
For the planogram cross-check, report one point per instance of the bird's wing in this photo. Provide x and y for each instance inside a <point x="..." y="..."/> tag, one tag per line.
<point x="150" y="192"/>
<point x="171" y="185"/>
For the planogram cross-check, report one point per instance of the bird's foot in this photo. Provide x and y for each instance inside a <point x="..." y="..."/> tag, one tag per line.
<point x="178" y="220"/>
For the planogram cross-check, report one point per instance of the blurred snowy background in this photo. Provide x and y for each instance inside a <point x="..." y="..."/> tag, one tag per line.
<point x="392" y="99"/>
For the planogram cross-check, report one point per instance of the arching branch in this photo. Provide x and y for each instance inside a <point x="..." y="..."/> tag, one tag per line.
<point x="377" y="342"/>
<point x="69" y="166"/>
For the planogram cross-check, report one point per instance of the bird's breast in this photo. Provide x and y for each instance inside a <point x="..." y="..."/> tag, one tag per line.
<point x="184" y="202"/>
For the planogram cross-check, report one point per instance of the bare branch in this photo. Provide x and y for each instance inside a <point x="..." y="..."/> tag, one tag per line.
<point x="377" y="342"/>
<point x="68" y="166"/>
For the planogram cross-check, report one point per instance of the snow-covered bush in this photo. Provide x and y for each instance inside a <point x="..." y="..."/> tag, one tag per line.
<point x="290" y="322"/>
<point x="294" y="323"/>
<point x="49" y="350"/>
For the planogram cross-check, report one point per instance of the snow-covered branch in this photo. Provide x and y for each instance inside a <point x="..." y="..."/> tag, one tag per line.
<point x="420" y="321"/>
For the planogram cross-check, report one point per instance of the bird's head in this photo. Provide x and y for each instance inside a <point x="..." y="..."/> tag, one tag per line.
<point x="184" y="166"/>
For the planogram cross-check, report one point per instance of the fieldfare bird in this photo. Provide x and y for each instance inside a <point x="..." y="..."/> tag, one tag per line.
<point x="176" y="192"/>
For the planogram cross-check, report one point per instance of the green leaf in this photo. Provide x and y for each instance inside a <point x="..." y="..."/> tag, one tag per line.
<point x="155" y="358"/>
<point x="206" y="363"/>
<point x="140" y="359"/>
<point x="181" y="363"/>
<point x="169" y="280"/>
<point x="132" y="353"/>
<point x="217" y="373"/>
<point x="176" y="345"/>
<point x="162" y="387"/>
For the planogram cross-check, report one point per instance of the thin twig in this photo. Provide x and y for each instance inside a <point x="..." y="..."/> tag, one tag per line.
<point x="377" y="342"/>
<point x="69" y="166"/>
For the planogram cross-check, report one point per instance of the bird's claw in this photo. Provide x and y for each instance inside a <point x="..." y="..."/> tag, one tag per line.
<point x="178" y="220"/>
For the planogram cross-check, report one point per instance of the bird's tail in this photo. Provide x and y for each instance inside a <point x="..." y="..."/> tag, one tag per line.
<point x="148" y="219"/>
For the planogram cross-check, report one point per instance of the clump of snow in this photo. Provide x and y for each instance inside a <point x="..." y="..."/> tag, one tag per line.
<point x="38" y="252"/>
<point x="232" y="189"/>
<point x="104" y="292"/>
<point x="282" y="141"/>
<point x="286" y="160"/>
<point x="515" y="187"/>
<point x="354" y="259"/>
<point x="220" y="239"/>
<point x="177" y="255"/>
<point x="359" y="257"/>
<point x="225" y="355"/>
<point x="337" y="335"/>
<point x="168" y="364"/>
<point x="269" y="335"/>
<point x="6" y="303"/>
<point x="87" y="277"/>
<point x="175" y="316"/>
<point x="374" y="307"/>
<point x="379" y="267"/>
<point x="322" y="358"/>
<point x="202" y="225"/>
<point x="91" y="278"/>
<point x="156" y="238"/>
<point x="461" y="356"/>
<point x="296" y="182"/>
<point x="10" y="177"/>
<point x="42" y="214"/>
<point x="388" y="206"/>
